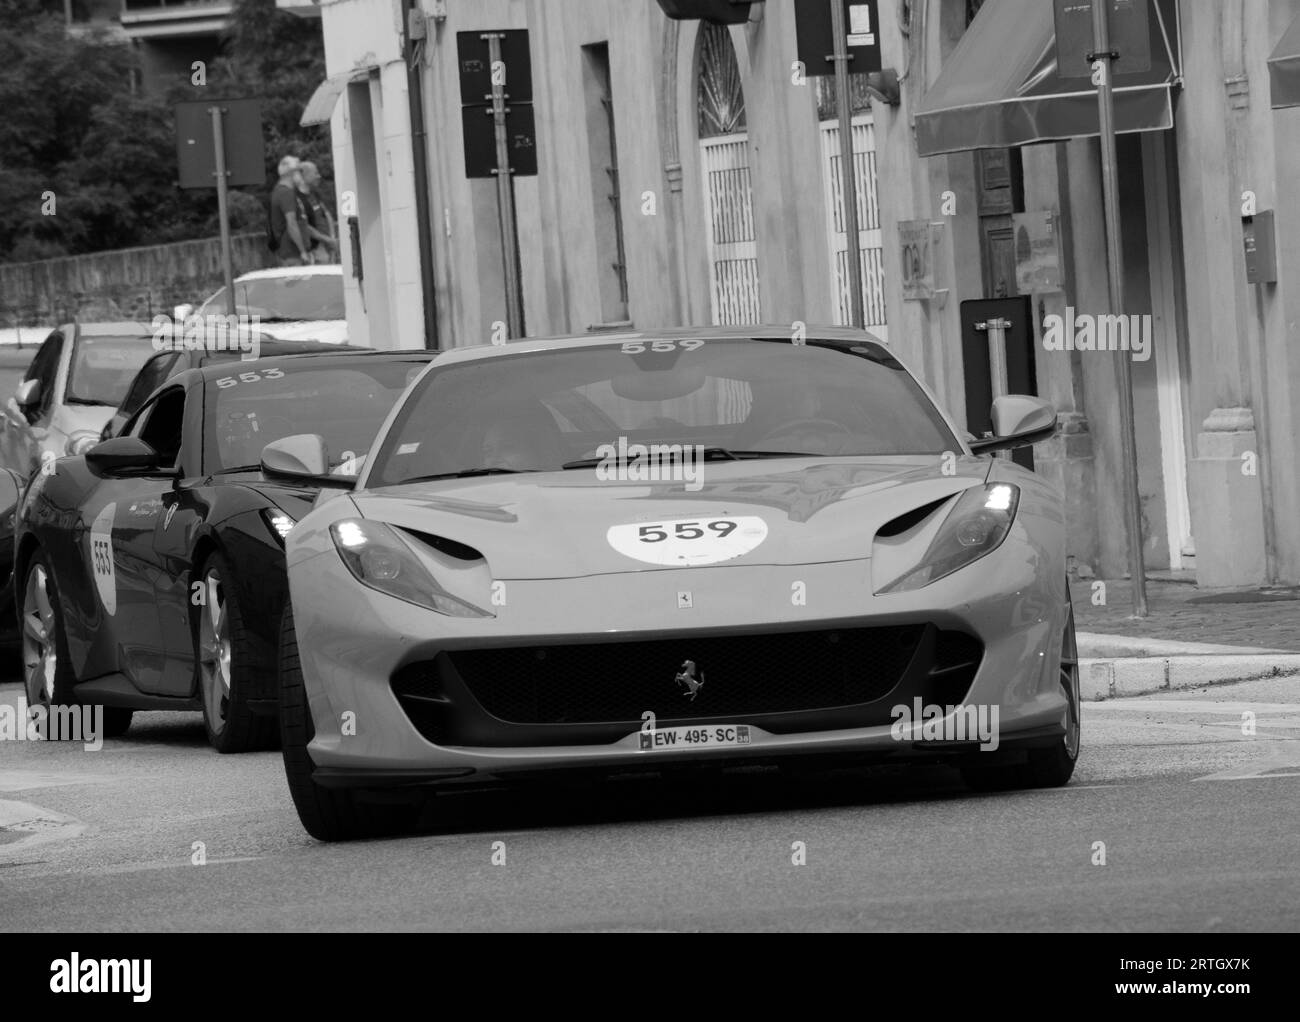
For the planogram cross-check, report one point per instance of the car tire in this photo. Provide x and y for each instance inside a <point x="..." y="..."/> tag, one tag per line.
<point x="225" y="660"/>
<point x="48" y="678"/>
<point x="1051" y="766"/>
<point x="327" y="814"/>
<point x="47" y="675"/>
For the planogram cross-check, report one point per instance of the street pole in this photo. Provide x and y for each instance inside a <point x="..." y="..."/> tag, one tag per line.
<point x="223" y="207"/>
<point x="1103" y="53"/>
<point x="997" y="328"/>
<point x="843" y="100"/>
<point x="505" y="193"/>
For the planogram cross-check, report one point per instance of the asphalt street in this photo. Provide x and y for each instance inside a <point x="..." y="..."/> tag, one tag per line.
<point x="1198" y="822"/>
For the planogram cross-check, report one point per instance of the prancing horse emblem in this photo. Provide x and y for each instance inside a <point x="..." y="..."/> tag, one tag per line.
<point x="687" y="678"/>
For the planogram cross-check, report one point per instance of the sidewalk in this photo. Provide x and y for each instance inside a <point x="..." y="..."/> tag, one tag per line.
<point x="1270" y="623"/>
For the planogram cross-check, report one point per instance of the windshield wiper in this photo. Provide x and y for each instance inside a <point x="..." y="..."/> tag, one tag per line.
<point x="70" y="399"/>
<point x="468" y="473"/>
<point x="709" y="454"/>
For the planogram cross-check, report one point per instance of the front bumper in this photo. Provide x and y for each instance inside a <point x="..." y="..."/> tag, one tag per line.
<point x="392" y="705"/>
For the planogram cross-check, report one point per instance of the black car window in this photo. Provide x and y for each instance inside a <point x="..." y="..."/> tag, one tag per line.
<point x="45" y="367"/>
<point x="156" y="372"/>
<point x="159" y="425"/>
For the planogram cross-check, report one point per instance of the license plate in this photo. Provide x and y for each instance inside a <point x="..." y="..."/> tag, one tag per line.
<point x="715" y="735"/>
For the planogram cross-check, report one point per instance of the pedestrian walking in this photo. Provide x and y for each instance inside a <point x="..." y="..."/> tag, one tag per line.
<point x="288" y="235"/>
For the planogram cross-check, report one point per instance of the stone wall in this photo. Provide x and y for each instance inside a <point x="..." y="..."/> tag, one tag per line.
<point x="133" y="283"/>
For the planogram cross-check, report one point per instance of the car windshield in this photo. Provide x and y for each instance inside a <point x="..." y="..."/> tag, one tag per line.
<point x="302" y="296"/>
<point x="256" y="404"/>
<point x="102" y="368"/>
<point x="735" y="397"/>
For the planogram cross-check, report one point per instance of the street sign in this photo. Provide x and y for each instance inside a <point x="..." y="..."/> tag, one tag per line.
<point x="512" y="74"/>
<point x="1130" y="37"/>
<point x="219" y="145"/>
<point x="816" y="35"/>
<point x="245" y="155"/>
<point x="481" y="140"/>
<point x="475" y="65"/>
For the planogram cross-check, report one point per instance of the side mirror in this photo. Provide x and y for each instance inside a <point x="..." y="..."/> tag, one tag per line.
<point x="182" y="312"/>
<point x="29" y="393"/>
<point x="123" y="454"/>
<point x="300" y="457"/>
<point x="1018" y="421"/>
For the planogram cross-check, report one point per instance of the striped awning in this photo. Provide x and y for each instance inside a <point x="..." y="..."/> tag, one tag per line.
<point x="320" y="108"/>
<point x="1001" y="86"/>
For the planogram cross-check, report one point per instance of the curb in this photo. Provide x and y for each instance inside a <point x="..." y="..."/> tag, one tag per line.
<point x="1110" y="678"/>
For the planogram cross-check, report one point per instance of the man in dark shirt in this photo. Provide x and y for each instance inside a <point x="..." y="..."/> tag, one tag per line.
<point x="320" y="225"/>
<point x="288" y="218"/>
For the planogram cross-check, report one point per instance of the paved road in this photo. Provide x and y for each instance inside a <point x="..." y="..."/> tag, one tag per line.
<point x="1199" y="825"/>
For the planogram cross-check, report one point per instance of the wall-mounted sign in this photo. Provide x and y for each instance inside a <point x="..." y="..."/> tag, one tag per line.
<point x="917" y="254"/>
<point x="1038" y="252"/>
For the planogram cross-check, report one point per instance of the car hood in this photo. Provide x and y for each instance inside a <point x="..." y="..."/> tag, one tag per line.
<point x="569" y="524"/>
<point x="327" y="331"/>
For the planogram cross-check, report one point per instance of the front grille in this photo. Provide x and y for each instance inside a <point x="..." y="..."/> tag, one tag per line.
<point x="742" y="674"/>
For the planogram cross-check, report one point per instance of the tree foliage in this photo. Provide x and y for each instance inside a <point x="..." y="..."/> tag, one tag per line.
<point x="78" y="124"/>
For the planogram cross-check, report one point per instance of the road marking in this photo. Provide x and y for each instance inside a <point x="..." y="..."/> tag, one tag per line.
<point x="1268" y="766"/>
<point x="24" y="780"/>
<point x="34" y="825"/>
<point x="183" y="862"/>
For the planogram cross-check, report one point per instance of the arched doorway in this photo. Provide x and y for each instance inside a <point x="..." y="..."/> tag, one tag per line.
<point x="728" y="201"/>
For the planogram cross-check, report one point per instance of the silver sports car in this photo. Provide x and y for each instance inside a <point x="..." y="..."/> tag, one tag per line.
<point x="711" y="547"/>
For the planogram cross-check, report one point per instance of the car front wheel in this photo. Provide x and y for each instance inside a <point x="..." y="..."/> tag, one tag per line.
<point x="225" y="656"/>
<point x="327" y="814"/>
<point x="1051" y="766"/>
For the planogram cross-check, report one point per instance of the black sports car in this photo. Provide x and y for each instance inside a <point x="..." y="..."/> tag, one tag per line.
<point x="150" y="573"/>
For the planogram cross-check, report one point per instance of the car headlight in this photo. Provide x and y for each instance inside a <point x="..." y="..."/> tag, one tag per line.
<point x="79" y="443"/>
<point x="281" y="524"/>
<point x="974" y="528"/>
<point x="380" y="558"/>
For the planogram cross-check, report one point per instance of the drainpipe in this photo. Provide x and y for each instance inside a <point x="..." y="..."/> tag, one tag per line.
<point x="414" y="39"/>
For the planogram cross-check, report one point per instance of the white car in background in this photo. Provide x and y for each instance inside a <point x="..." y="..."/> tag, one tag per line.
<point x="78" y="376"/>
<point x="292" y="303"/>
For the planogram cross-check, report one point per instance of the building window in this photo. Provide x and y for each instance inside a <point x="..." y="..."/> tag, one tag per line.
<point x="602" y="140"/>
<point x="722" y="100"/>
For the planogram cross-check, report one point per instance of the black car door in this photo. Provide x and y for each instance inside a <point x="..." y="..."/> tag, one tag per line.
<point x="185" y="509"/>
<point x="140" y="576"/>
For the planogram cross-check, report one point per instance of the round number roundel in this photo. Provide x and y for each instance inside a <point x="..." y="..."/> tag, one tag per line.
<point x="686" y="542"/>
